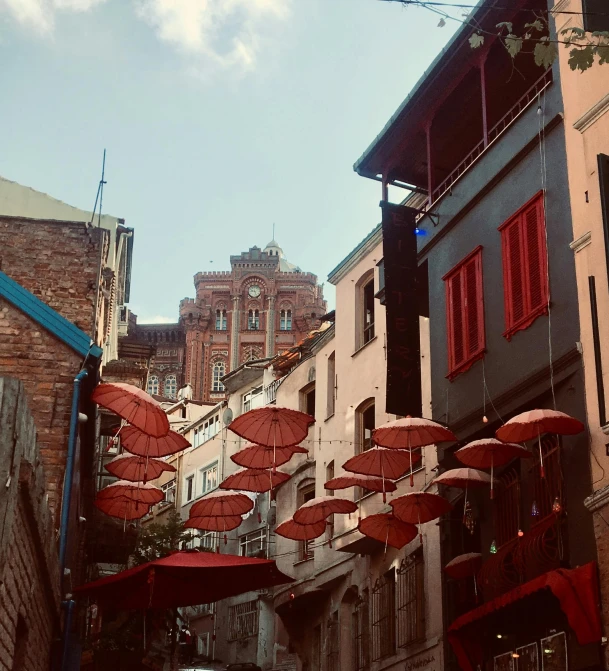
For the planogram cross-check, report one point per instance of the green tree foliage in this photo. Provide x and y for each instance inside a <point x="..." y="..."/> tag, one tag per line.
<point x="159" y="540"/>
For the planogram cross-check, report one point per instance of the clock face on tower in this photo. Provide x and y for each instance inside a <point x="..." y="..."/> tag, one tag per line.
<point x="254" y="291"/>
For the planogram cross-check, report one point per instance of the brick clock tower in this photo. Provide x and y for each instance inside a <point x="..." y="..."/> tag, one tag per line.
<point x="262" y="306"/>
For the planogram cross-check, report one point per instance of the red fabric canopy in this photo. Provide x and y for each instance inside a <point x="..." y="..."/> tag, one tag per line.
<point x="576" y="590"/>
<point x="184" y="578"/>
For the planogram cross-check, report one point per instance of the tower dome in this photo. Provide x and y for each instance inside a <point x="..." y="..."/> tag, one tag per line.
<point x="273" y="249"/>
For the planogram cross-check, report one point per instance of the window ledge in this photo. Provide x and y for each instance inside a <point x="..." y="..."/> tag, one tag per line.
<point x="357" y="351"/>
<point x="329" y="417"/>
<point x="303" y="561"/>
<point x="466" y="365"/>
<point x="525" y="322"/>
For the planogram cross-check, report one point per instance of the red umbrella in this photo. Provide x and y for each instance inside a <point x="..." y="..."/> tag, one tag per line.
<point x="463" y="478"/>
<point x="300" y="532"/>
<point x="122" y="507"/>
<point x="250" y="480"/>
<point x="137" y="469"/>
<point x="382" y="462"/>
<point x="411" y="432"/>
<point x="464" y="566"/>
<point x="420" y="507"/>
<point x="365" y="481"/>
<point x="532" y="423"/>
<point x="273" y="426"/>
<point x="260" y="456"/>
<point x="318" y="509"/>
<point x="133" y="405"/>
<point x="222" y="504"/>
<point x="135" y="441"/>
<point x="224" y="523"/>
<point x="388" y="529"/>
<point x="488" y="453"/>
<point x="136" y="491"/>
<point x="184" y="578"/>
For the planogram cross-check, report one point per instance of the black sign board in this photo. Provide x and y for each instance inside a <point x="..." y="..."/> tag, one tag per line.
<point x="402" y="312"/>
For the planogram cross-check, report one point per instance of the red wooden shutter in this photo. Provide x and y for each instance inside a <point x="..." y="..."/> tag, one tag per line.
<point x="534" y="235"/>
<point x="471" y="306"/>
<point x="456" y="340"/>
<point x="513" y="264"/>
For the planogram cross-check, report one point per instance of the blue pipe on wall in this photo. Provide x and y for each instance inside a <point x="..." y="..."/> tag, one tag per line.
<point x="65" y="656"/>
<point x="67" y="486"/>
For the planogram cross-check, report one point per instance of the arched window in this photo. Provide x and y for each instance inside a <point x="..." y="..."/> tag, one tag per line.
<point x="253" y="320"/>
<point x="153" y="385"/>
<point x="364" y="425"/>
<point x="171" y="386"/>
<point x="221" y="320"/>
<point x="218" y="371"/>
<point x="285" y="320"/>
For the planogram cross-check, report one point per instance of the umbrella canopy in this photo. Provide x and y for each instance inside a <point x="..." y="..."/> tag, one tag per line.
<point x="300" y="532"/>
<point x="420" y="507"/>
<point x="135" y="441"/>
<point x="388" y="530"/>
<point x="411" y="432"/>
<point x="122" y="507"/>
<point x="532" y="423"/>
<point x="250" y="480"/>
<point x="273" y="426"/>
<point x="464" y="566"/>
<point x="463" y="478"/>
<point x="134" y="405"/>
<point x="137" y="469"/>
<point x="184" y="578"/>
<point x="261" y="456"/>
<point x="316" y="510"/>
<point x="224" y="523"/>
<point x="222" y="504"/>
<point x="381" y="462"/>
<point x="369" y="482"/>
<point x="136" y="491"/>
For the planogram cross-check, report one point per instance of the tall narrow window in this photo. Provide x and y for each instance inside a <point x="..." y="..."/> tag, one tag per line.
<point x="218" y="372"/>
<point x="330" y="476"/>
<point x="306" y="547"/>
<point x="368" y="311"/>
<point x="285" y="320"/>
<point x="153" y="385"/>
<point x="253" y="320"/>
<point x="411" y="603"/>
<point x="465" y="314"/>
<point x="307" y="399"/>
<point x="171" y="386"/>
<point x="189" y="488"/>
<point x="361" y="632"/>
<point x="383" y="616"/>
<point x="221" y="320"/>
<point x="364" y="425"/>
<point x="525" y="279"/>
<point x="331" y="388"/>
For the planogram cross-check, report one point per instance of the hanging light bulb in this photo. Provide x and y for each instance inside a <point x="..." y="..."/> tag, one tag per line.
<point x="485" y="420"/>
<point x="534" y="510"/>
<point x="556" y="507"/>
<point x="493" y="549"/>
<point x="520" y="533"/>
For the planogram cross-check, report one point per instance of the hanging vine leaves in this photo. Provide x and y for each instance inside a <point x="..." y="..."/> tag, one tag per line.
<point x="545" y="53"/>
<point x="476" y="40"/>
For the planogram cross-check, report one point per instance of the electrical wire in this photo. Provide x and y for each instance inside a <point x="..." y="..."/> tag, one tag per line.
<point x="456" y="5"/>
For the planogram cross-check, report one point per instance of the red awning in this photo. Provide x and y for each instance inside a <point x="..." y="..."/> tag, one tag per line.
<point x="576" y="590"/>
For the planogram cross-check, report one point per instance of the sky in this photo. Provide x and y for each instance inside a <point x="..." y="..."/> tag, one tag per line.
<point x="220" y="118"/>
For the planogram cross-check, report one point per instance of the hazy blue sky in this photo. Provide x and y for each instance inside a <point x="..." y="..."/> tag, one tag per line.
<point x="220" y="117"/>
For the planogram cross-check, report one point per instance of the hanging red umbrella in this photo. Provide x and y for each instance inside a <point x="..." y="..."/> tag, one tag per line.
<point x="411" y="432"/>
<point x="318" y="509"/>
<point x="184" y="578"/>
<point x="122" y="507"/>
<point x="383" y="463"/>
<point x="464" y="566"/>
<point x="133" y="405"/>
<point x="420" y="507"/>
<point x="260" y="456"/>
<point x="369" y="482"/>
<point x="300" y="532"/>
<point x="251" y="480"/>
<point x="488" y="453"/>
<point x="273" y="426"/>
<point x="388" y="530"/>
<point x="147" y="493"/>
<point x="135" y="441"/>
<point x="462" y="478"/>
<point x="216" y="523"/>
<point x="137" y="469"/>
<point x="222" y="504"/>
<point x="532" y="423"/>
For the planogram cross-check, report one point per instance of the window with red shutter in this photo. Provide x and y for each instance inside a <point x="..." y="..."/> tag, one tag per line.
<point x="465" y="314"/>
<point x="525" y="279"/>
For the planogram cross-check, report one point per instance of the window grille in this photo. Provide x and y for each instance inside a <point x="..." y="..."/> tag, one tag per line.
<point x="383" y="616"/>
<point x="218" y="372"/>
<point x="171" y="386"/>
<point x="243" y="620"/>
<point x="153" y="385"/>
<point x="333" y="643"/>
<point x="253" y="544"/>
<point x="411" y="600"/>
<point x="361" y="632"/>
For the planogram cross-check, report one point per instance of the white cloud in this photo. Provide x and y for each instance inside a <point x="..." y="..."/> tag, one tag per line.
<point x="39" y="15"/>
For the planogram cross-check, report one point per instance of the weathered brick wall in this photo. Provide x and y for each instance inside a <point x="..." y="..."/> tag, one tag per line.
<point x="601" y="530"/>
<point x="29" y="571"/>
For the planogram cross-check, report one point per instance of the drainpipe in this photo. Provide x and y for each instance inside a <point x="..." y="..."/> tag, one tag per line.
<point x="69" y="477"/>
<point x="69" y="606"/>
